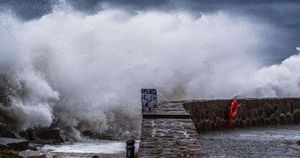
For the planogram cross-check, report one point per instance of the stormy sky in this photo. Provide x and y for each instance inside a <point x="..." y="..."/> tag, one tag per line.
<point x="283" y="15"/>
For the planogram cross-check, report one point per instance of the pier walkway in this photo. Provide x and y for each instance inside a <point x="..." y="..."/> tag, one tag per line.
<point x="168" y="131"/>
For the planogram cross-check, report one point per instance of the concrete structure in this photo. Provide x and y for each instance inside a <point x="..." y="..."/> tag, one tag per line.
<point x="211" y="115"/>
<point x="170" y="129"/>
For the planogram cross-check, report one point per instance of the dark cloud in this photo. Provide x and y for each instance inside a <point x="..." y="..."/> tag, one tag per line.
<point x="27" y="9"/>
<point x="285" y="13"/>
<point x="282" y="14"/>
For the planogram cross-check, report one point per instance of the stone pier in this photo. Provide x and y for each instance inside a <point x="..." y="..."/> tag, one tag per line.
<point x="168" y="131"/>
<point x="172" y="129"/>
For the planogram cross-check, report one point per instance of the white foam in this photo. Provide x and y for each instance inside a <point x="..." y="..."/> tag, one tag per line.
<point x="103" y="147"/>
<point x="87" y="70"/>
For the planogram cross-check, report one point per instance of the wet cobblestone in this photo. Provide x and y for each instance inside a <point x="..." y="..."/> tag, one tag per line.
<point x="169" y="137"/>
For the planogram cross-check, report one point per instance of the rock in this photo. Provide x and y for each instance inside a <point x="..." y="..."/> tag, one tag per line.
<point x="298" y="142"/>
<point x="296" y="115"/>
<point x="87" y="133"/>
<point x="49" y="135"/>
<point x="3" y="146"/>
<point x="5" y="132"/>
<point x="14" y="144"/>
<point x="24" y="135"/>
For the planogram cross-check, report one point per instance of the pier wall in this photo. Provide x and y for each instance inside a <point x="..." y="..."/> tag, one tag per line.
<point x="209" y="115"/>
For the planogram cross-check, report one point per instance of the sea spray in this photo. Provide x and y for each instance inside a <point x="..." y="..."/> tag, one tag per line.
<point x="86" y="71"/>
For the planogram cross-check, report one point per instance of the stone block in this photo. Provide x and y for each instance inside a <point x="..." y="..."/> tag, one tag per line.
<point x="297" y="103"/>
<point x="267" y="121"/>
<point x="238" y="123"/>
<point x="268" y="110"/>
<point x="260" y="121"/>
<point x="296" y="116"/>
<point x="224" y="123"/>
<point x="282" y="119"/>
<point x="253" y="121"/>
<point x="218" y="123"/>
<point x="274" y="119"/>
<point x="289" y="118"/>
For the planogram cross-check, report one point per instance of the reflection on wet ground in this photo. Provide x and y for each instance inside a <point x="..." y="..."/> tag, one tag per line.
<point x="255" y="142"/>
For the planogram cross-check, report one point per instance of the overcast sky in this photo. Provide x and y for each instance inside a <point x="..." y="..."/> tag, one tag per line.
<point x="282" y="14"/>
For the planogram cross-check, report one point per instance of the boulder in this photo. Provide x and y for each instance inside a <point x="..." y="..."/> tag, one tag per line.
<point x="5" y="132"/>
<point x="24" y="135"/>
<point x="13" y="144"/>
<point x="49" y="135"/>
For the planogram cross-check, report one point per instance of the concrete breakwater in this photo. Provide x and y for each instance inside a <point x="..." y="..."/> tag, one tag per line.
<point x="209" y="115"/>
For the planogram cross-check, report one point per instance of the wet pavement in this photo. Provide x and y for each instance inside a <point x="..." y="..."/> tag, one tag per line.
<point x="168" y="131"/>
<point x="255" y="142"/>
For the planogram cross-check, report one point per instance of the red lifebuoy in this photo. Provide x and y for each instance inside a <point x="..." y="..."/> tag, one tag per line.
<point x="232" y="112"/>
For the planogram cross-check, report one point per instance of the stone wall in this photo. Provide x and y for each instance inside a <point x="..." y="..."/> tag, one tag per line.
<point x="211" y="115"/>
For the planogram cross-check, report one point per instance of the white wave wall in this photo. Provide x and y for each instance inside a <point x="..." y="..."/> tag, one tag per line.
<point x="87" y="70"/>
